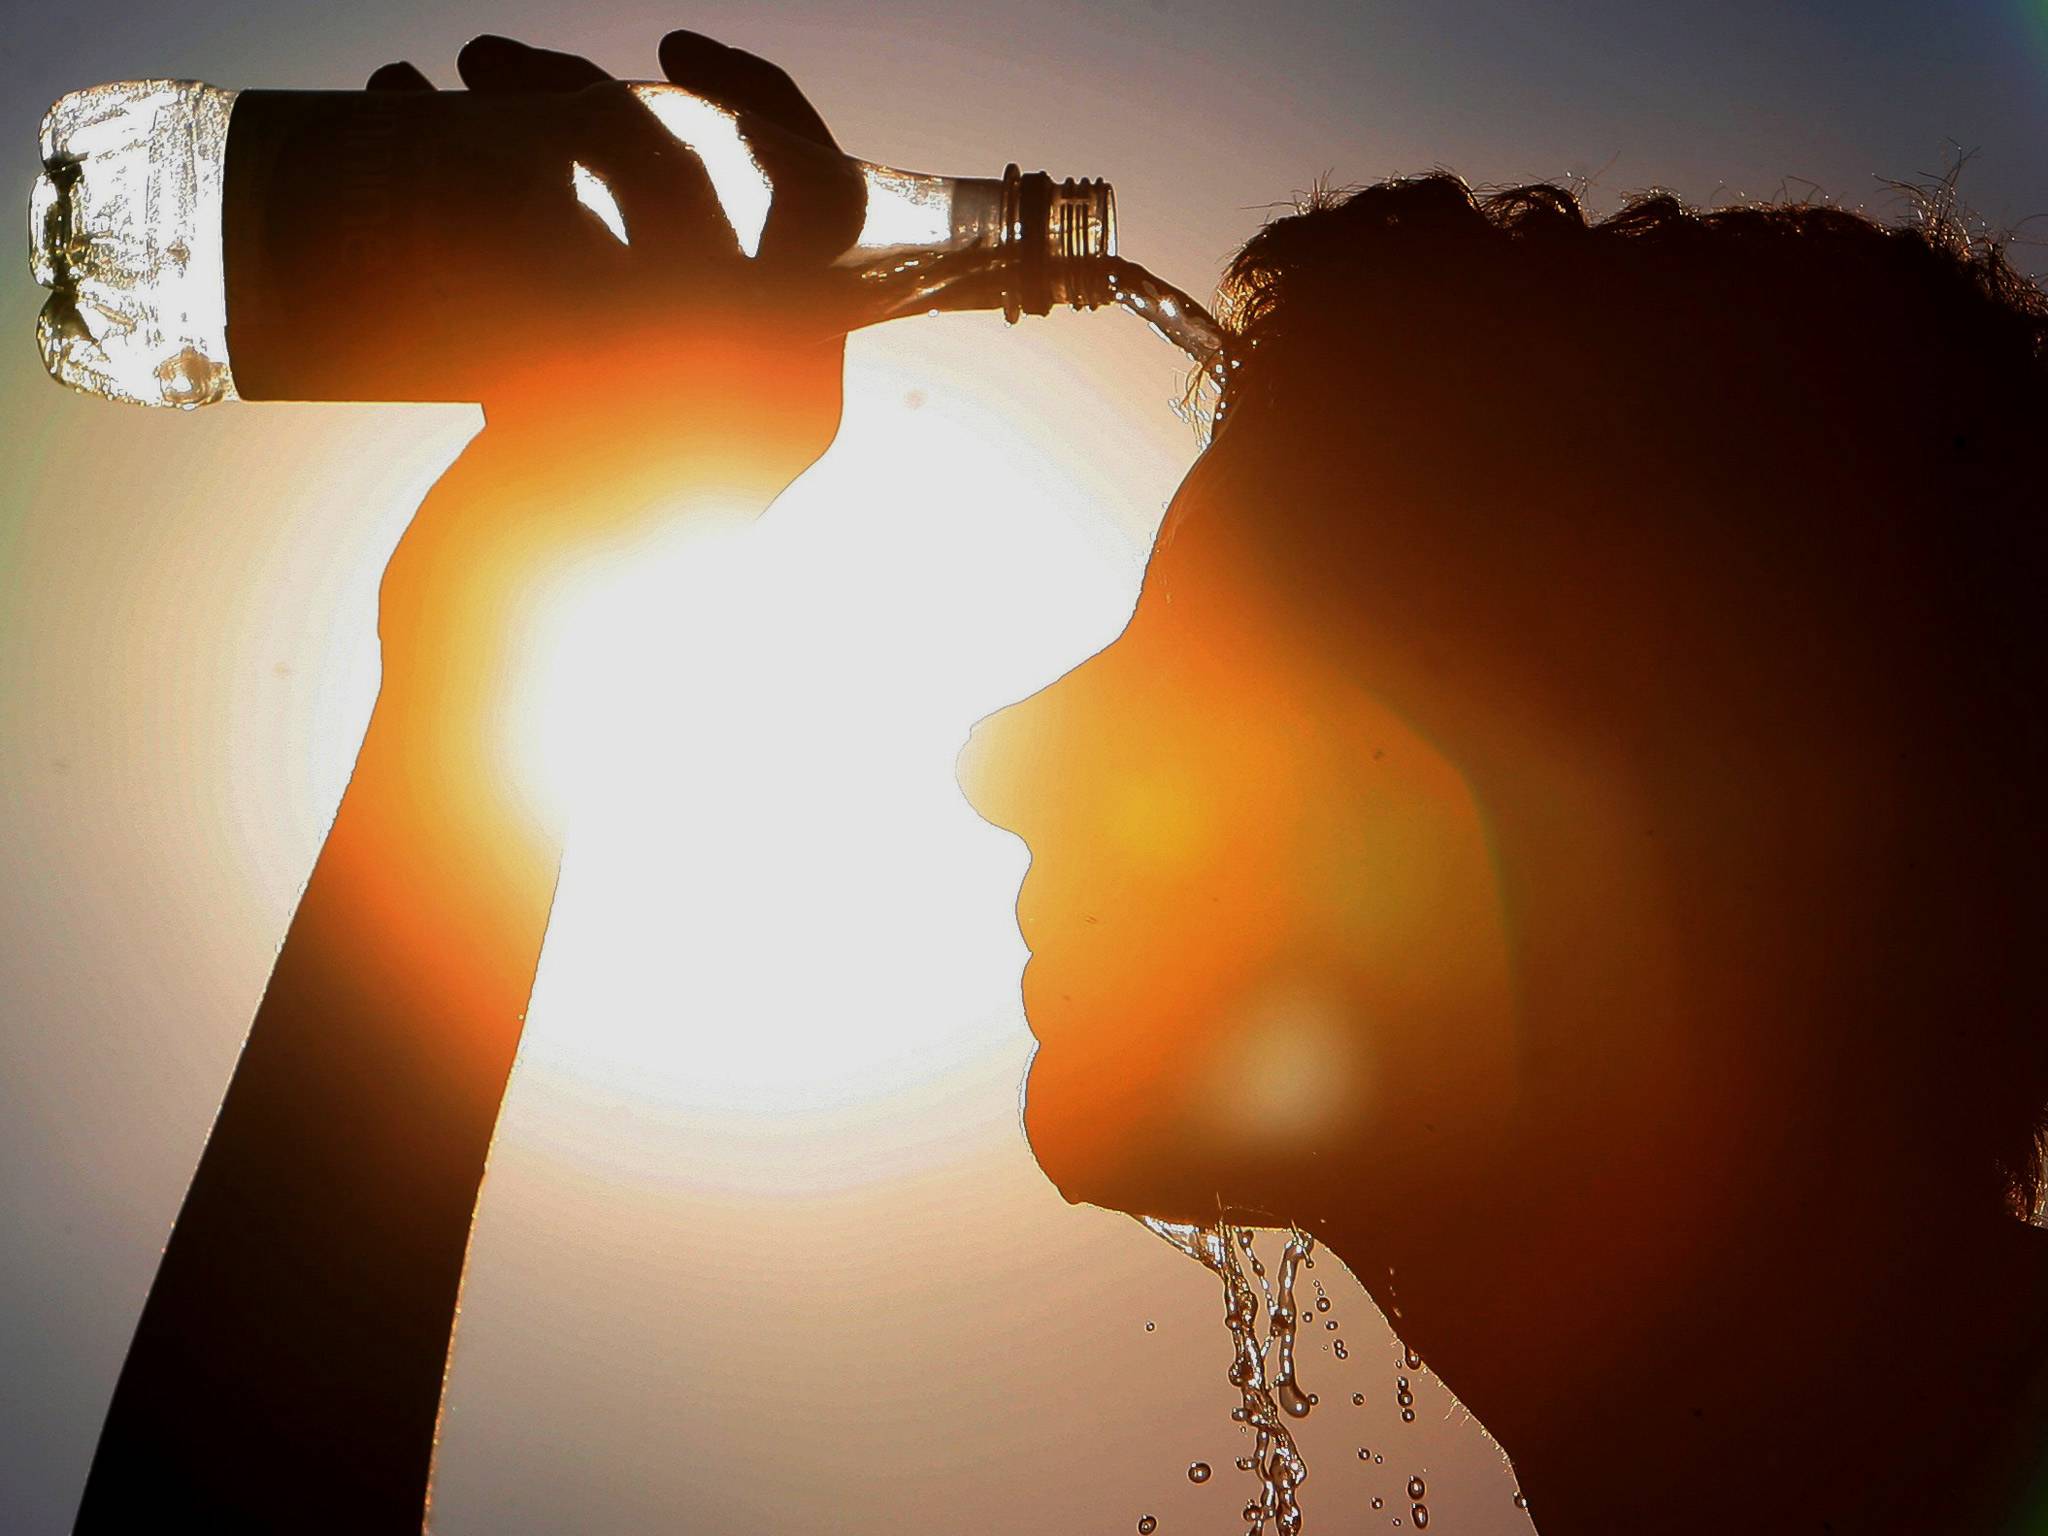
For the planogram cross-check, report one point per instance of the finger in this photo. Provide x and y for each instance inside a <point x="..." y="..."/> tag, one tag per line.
<point x="400" y="76"/>
<point x="742" y="81"/>
<point x="493" y="63"/>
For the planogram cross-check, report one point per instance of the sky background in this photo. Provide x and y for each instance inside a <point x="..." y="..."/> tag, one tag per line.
<point x="762" y="1247"/>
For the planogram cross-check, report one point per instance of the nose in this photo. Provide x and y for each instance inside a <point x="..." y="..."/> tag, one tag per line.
<point x="987" y="768"/>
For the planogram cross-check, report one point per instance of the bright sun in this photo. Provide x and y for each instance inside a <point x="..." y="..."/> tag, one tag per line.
<point x="775" y="896"/>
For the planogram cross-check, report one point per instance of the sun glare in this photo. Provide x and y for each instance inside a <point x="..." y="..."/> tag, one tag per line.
<point x="776" y="897"/>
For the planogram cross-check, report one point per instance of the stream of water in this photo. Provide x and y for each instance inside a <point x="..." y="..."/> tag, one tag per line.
<point x="1262" y="1369"/>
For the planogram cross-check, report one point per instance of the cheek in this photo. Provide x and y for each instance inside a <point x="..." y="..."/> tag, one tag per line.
<point x="1281" y="941"/>
<point x="1396" y="879"/>
<point x="1164" y="886"/>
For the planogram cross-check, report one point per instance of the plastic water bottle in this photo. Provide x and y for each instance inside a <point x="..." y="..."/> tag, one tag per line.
<point x="202" y="244"/>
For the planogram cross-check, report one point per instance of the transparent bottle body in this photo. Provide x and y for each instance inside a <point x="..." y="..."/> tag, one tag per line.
<point x="201" y="244"/>
<point x="124" y="229"/>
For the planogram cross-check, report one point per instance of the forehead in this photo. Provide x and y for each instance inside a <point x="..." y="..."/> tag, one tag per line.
<point x="1247" y="621"/>
<point x="1214" y="611"/>
<point x="1236" y="514"/>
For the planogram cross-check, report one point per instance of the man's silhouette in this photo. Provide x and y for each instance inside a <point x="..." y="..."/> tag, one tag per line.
<point x="1564" y="825"/>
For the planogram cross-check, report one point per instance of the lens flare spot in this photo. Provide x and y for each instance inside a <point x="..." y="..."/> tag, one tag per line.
<point x="1293" y="1066"/>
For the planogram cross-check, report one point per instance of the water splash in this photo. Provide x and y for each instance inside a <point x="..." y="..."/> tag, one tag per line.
<point x="1262" y="1369"/>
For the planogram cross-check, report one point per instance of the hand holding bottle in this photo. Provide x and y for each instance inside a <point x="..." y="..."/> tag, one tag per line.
<point x="707" y="406"/>
<point x="696" y="318"/>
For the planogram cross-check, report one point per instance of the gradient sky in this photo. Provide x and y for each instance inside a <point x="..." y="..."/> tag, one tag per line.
<point x="708" y="1292"/>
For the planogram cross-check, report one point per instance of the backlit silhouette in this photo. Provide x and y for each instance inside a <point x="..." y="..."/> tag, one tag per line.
<point x="1563" y="826"/>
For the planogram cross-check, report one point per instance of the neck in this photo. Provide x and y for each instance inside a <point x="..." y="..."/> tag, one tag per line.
<point x="1795" y="1373"/>
<point x="1692" y="1303"/>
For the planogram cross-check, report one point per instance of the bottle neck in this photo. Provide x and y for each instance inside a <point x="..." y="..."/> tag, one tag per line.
<point x="1062" y="232"/>
<point x="1021" y="243"/>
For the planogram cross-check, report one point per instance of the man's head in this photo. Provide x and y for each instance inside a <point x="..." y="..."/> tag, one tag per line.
<point x="1578" y="740"/>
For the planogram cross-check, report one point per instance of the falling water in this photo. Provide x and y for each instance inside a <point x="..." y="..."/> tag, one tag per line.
<point x="1262" y="1370"/>
<point x="925" y="282"/>
<point x="1171" y="313"/>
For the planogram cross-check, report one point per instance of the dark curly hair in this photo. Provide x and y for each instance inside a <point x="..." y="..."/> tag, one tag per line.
<point x="1742" y="346"/>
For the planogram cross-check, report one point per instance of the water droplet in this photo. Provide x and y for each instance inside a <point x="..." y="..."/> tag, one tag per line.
<point x="1147" y="1525"/>
<point x="1407" y="1415"/>
<point x="1381" y="1460"/>
<point x="1313" y="1399"/>
<point x="1331" y="1325"/>
<point x="1364" y="1454"/>
<point x="1414" y="1360"/>
<point x="1292" y="1402"/>
<point x="1150" y="1326"/>
<point x="1405" y="1398"/>
<point x="1198" y="1471"/>
<point x="1379" y="1503"/>
<point x="1341" y="1351"/>
<point x="1358" y="1399"/>
<point x="1521" y="1500"/>
<point x="1415" y="1488"/>
<point x="1420" y="1515"/>
<point x="1322" y="1303"/>
<point x="1400" y="1383"/>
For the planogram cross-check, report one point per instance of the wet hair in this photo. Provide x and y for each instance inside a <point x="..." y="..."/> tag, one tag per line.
<point x="1816" y="366"/>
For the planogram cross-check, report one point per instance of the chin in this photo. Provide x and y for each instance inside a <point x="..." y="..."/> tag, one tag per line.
<point x="1133" y="1141"/>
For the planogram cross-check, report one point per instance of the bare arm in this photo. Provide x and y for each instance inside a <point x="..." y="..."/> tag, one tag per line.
<point x="287" y="1368"/>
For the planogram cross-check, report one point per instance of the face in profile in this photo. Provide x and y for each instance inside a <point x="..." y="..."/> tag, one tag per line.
<point x="1555" y="827"/>
<point x="1266" y="944"/>
<point x="1350" y="896"/>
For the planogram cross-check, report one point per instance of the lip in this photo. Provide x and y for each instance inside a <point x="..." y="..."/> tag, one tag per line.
<point x="1049" y="1012"/>
<point x="1024" y="989"/>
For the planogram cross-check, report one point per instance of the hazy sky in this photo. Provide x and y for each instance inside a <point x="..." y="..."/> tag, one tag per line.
<point x="712" y="1290"/>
